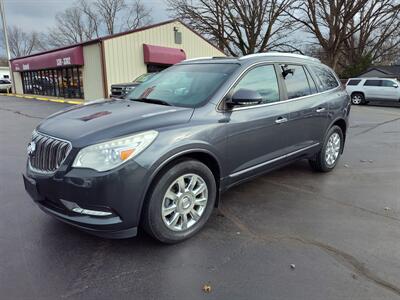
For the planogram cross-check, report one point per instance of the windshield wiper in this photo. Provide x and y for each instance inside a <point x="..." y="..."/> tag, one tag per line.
<point x="154" y="101"/>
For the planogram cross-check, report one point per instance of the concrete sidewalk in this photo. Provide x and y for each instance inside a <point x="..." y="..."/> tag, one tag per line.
<point x="45" y="98"/>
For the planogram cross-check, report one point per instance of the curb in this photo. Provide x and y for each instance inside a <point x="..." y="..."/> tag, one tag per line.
<point x="43" y="98"/>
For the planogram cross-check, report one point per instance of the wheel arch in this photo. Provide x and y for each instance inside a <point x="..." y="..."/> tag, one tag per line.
<point x="202" y="155"/>
<point x="357" y="92"/>
<point x="343" y="126"/>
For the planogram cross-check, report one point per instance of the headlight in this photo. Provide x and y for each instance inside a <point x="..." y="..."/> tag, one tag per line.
<point x="128" y="89"/>
<point x="108" y="155"/>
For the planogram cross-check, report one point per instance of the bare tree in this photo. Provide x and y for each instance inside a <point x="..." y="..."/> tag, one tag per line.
<point x="109" y="10"/>
<point x="73" y="26"/>
<point x="328" y="22"/>
<point x="3" y="61"/>
<point x="238" y="26"/>
<point x="117" y="15"/>
<point x="24" y="43"/>
<point x="86" y="20"/>
<point x="378" y="36"/>
<point x="138" y="15"/>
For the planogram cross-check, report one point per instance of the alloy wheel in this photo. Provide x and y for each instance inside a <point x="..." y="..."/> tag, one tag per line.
<point x="356" y="99"/>
<point x="332" y="149"/>
<point x="184" y="202"/>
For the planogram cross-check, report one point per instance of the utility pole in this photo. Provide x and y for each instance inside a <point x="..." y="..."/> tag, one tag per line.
<point x="3" y="19"/>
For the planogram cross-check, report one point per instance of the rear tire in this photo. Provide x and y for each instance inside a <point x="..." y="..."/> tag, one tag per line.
<point x="357" y="98"/>
<point x="327" y="158"/>
<point x="174" y="211"/>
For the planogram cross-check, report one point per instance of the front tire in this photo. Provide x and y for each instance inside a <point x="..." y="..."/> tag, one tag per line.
<point x="327" y="158"/>
<point x="180" y="202"/>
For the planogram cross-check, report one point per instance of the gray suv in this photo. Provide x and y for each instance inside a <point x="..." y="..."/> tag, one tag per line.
<point x="160" y="158"/>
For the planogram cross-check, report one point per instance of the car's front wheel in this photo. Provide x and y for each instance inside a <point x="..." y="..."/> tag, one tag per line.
<point x="327" y="158"/>
<point x="180" y="202"/>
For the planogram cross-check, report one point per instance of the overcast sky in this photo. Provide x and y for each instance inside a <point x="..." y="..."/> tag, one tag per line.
<point x="39" y="14"/>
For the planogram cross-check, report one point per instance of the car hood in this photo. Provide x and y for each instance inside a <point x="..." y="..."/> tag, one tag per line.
<point x="103" y="120"/>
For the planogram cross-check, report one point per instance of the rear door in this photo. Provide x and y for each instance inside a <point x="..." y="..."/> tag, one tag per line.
<point x="309" y="110"/>
<point x="372" y="89"/>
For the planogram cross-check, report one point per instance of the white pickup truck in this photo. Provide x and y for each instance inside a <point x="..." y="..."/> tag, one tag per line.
<point x="363" y="90"/>
<point x="5" y="86"/>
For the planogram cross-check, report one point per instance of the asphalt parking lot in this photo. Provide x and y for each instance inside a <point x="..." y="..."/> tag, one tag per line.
<point x="341" y="230"/>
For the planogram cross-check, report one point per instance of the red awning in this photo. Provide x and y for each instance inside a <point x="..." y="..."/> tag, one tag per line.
<point x="162" y="55"/>
<point x="60" y="58"/>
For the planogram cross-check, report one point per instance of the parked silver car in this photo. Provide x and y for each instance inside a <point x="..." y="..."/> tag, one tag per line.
<point x="363" y="90"/>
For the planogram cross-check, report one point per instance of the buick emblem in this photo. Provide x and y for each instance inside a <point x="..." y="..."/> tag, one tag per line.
<point x="31" y="148"/>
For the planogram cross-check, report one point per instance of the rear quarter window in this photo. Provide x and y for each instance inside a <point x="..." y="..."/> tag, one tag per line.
<point x="327" y="80"/>
<point x="388" y="83"/>
<point x="354" y="82"/>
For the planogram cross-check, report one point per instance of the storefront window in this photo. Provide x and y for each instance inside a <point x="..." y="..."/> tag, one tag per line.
<point x="61" y="82"/>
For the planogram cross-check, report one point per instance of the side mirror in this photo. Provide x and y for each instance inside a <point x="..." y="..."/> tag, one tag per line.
<point x="395" y="86"/>
<point x="245" y="97"/>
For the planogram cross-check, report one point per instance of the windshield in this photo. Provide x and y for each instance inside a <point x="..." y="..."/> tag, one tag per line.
<point x="184" y="85"/>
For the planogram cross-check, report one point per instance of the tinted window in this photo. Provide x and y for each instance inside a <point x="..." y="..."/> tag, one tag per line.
<point x="388" y="83"/>
<point x="354" y="82"/>
<point x="263" y="80"/>
<point x="184" y="85"/>
<point x="372" y="82"/>
<point x="296" y="81"/>
<point x="327" y="80"/>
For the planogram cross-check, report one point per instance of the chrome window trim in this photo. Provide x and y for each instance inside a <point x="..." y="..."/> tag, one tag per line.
<point x="66" y="154"/>
<point x="272" y="103"/>
<point x="271" y="161"/>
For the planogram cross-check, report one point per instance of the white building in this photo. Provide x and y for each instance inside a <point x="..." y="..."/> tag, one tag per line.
<point x="4" y="73"/>
<point x="88" y="70"/>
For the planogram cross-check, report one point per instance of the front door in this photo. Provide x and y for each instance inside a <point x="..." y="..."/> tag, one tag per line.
<point x="257" y="134"/>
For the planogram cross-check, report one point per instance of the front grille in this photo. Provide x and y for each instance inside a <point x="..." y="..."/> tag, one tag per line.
<point x="116" y="91"/>
<point x="48" y="153"/>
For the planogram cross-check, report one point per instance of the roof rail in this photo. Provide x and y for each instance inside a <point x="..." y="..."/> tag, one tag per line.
<point x="198" y="58"/>
<point x="267" y="54"/>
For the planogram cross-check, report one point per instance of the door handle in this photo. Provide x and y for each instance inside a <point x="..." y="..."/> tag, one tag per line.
<point x="281" y="120"/>
<point x="320" y="109"/>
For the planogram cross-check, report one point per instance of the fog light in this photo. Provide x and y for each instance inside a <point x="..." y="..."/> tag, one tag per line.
<point x="72" y="206"/>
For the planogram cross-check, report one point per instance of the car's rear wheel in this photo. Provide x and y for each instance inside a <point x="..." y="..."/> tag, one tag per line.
<point x="180" y="203"/>
<point x="357" y="98"/>
<point x="327" y="158"/>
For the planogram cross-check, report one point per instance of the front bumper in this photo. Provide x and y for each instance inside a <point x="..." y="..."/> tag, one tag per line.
<point x="119" y="192"/>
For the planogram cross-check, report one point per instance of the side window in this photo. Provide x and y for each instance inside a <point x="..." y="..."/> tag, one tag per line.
<point x="373" y="82"/>
<point x="327" y="80"/>
<point x="262" y="80"/>
<point x="296" y="81"/>
<point x="388" y="83"/>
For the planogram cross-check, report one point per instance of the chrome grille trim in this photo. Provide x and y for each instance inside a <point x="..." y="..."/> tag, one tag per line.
<point x="50" y="153"/>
